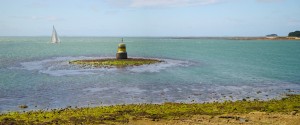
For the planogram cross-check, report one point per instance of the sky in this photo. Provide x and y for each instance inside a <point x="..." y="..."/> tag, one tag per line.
<point x="149" y="17"/>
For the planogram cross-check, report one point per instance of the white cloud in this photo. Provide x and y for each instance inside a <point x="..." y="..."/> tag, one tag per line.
<point x="170" y="3"/>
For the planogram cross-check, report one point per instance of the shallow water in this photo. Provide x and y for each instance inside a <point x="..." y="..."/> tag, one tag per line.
<point x="36" y="73"/>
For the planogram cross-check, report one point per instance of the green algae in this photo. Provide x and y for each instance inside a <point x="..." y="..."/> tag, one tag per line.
<point x="115" y="62"/>
<point x="123" y="113"/>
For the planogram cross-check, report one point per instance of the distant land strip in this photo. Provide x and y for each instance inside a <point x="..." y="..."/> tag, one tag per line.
<point x="241" y="38"/>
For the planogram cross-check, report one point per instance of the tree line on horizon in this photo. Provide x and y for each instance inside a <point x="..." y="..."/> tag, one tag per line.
<point x="294" y="34"/>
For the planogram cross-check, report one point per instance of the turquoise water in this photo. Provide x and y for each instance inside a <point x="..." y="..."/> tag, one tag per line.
<point x="36" y="73"/>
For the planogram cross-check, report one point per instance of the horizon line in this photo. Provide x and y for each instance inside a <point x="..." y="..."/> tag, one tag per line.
<point x="127" y="36"/>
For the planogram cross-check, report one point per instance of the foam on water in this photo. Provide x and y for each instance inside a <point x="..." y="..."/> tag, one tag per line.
<point x="159" y="66"/>
<point x="119" y="94"/>
<point x="60" y="66"/>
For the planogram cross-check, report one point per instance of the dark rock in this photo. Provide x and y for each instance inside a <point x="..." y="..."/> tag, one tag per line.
<point x="229" y="117"/>
<point x="23" y="106"/>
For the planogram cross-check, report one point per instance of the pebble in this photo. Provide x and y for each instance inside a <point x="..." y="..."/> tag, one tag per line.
<point x="243" y="120"/>
<point x="294" y="112"/>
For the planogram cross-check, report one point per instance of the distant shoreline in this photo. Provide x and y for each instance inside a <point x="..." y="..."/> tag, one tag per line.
<point x="182" y="37"/>
<point x="241" y="38"/>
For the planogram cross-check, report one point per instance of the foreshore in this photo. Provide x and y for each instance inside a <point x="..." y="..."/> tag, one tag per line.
<point x="284" y="111"/>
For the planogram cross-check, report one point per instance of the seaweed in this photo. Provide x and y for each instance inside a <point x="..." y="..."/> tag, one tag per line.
<point x="120" y="114"/>
<point x="119" y="63"/>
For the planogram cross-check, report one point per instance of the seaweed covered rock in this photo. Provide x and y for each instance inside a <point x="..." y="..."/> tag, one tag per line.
<point x="120" y="63"/>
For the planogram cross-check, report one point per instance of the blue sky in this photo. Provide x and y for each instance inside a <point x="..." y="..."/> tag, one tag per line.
<point x="149" y="17"/>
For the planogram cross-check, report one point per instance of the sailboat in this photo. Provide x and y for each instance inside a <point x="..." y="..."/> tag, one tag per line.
<point x="54" y="38"/>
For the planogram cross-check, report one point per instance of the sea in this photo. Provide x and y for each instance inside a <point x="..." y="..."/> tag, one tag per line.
<point x="36" y="73"/>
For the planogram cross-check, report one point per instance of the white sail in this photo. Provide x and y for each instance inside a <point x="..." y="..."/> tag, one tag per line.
<point x="54" y="38"/>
